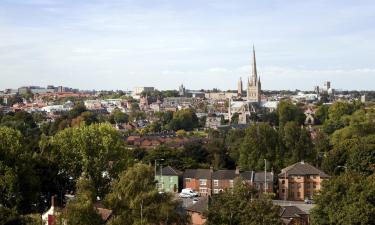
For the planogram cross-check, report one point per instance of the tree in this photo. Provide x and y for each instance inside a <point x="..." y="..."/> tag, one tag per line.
<point x="98" y="150"/>
<point x="287" y="111"/>
<point x="322" y="113"/>
<point x="120" y="117"/>
<point x="260" y="142"/>
<point x="243" y="206"/>
<point x="297" y="142"/>
<point x="345" y="200"/>
<point x="81" y="210"/>
<point x="135" y="200"/>
<point x="185" y="119"/>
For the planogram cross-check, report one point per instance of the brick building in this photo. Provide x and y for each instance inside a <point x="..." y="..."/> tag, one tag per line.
<point x="300" y="181"/>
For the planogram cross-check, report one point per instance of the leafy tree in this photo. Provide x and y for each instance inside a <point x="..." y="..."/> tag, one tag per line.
<point x="298" y="143"/>
<point x="345" y="200"/>
<point x="260" y="142"/>
<point x="185" y="119"/>
<point x="135" y="200"/>
<point x="120" y="117"/>
<point x="98" y="150"/>
<point x="287" y="111"/>
<point x="81" y="210"/>
<point x="242" y="206"/>
<point x="322" y="113"/>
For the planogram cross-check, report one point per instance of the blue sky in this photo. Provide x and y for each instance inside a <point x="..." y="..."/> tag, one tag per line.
<point x="119" y="44"/>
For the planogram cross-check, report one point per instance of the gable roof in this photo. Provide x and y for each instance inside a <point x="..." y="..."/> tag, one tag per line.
<point x="291" y="212"/>
<point x="169" y="171"/>
<point x="259" y="177"/>
<point x="199" y="206"/>
<point x="302" y="168"/>
<point x="198" y="173"/>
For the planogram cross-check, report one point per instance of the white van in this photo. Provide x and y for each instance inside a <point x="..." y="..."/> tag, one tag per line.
<point x="188" y="193"/>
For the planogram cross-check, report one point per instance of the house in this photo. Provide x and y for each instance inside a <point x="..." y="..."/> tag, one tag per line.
<point x="169" y="179"/>
<point x="207" y="181"/>
<point x="199" y="180"/>
<point x="292" y="215"/>
<point x="196" y="211"/>
<point x="262" y="181"/>
<point x="300" y="181"/>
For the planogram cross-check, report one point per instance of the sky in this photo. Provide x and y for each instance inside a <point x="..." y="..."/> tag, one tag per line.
<point x="120" y="44"/>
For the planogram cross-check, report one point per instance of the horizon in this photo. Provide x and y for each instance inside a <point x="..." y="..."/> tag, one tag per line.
<point x="118" y="45"/>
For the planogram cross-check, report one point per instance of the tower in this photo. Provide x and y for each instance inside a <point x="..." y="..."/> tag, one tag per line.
<point x="239" y="87"/>
<point x="254" y="86"/>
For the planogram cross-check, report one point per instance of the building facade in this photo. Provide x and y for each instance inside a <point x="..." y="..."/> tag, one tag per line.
<point x="300" y="181"/>
<point x="169" y="180"/>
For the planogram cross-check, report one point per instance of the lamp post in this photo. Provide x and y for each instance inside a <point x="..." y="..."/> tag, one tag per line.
<point x="265" y="175"/>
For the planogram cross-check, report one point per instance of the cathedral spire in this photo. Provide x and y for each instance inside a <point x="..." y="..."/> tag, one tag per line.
<point x="254" y="74"/>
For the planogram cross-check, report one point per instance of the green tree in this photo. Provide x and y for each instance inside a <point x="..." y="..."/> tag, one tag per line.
<point x="243" y="206"/>
<point x="185" y="119"/>
<point x="260" y="142"/>
<point x="135" y="200"/>
<point x="120" y="117"/>
<point x="81" y="210"/>
<point x="287" y="111"/>
<point x="98" y="150"/>
<point x="345" y="200"/>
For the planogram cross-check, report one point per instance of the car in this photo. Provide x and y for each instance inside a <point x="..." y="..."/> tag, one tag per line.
<point x="188" y="193"/>
<point x="309" y="201"/>
<point x="195" y="200"/>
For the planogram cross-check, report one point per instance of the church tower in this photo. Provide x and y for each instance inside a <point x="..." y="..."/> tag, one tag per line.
<point x="254" y="86"/>
<point x="239" y="87"/>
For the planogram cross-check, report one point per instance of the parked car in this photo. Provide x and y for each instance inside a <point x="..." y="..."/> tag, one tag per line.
<point x="188" y="193"/>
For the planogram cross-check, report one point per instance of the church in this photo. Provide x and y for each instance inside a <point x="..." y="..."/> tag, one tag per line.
<point x="253" y="102"/>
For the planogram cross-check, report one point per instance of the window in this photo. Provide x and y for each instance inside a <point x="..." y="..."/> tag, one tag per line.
<point x="298" y="177"/>
<point x="314" y="185"/>
<point x="308" y="176"/>
<point x="216" y="183"/>
<point x="203" y="190"/>
<point x="203" y="182"/>
<point x="216" y="191"/>
<point x="283" y="181"/>
<point x="283" y="190"/>
<point x="298" y="194"/>
<point x="188" y="180"/>
<point x="314" y="177"/>
<point x="231" y="183"/>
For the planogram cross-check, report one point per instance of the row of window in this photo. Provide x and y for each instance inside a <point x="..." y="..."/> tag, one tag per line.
<point x="203" y="182"/>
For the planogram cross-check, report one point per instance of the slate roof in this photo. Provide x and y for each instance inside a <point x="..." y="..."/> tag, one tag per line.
<point x="259" y="177"/>
<point x="291" y="212"/>
<point x="199" y="206"/>
<point x="198" y="173"/>
<point x="302" y="168"/>
<point x="169" y="171"/>
<point x="224" y="175"/>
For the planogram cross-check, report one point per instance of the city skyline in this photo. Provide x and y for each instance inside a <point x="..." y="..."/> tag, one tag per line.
<point x="202" y="44"/>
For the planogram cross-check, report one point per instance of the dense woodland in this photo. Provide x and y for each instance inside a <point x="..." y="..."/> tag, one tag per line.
<point x="82" y="154"/>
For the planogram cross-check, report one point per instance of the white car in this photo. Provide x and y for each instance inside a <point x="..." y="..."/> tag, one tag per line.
<point x="188" y="193"/>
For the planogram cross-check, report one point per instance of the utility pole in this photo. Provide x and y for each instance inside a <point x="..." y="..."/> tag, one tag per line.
<point x="265" y="175"/>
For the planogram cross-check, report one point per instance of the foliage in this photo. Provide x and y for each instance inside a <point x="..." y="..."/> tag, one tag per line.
<point x="242" y="205"/>
<point x="185" y="119"/>
<point x="98" y="150"/>
<point x="345" y="200"/>
<point x="287" y="111"/>
<point x="135" y="200"/>
<point x="81" y="210"/>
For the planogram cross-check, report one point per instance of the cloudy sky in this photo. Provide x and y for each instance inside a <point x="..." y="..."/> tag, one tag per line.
<point x="119" y="44"/>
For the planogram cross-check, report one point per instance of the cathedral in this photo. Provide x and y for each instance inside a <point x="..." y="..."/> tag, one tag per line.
<point x="254" y="86"/>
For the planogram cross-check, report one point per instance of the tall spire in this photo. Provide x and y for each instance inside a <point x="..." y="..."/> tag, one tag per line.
<point x="254" y="74"/>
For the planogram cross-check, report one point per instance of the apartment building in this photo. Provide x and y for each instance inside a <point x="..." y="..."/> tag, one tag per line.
<point x="300" y="181"/>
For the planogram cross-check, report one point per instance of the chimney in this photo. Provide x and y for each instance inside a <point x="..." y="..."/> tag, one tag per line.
<point x="53" y="201"/>
<point x="237" y="170"/>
